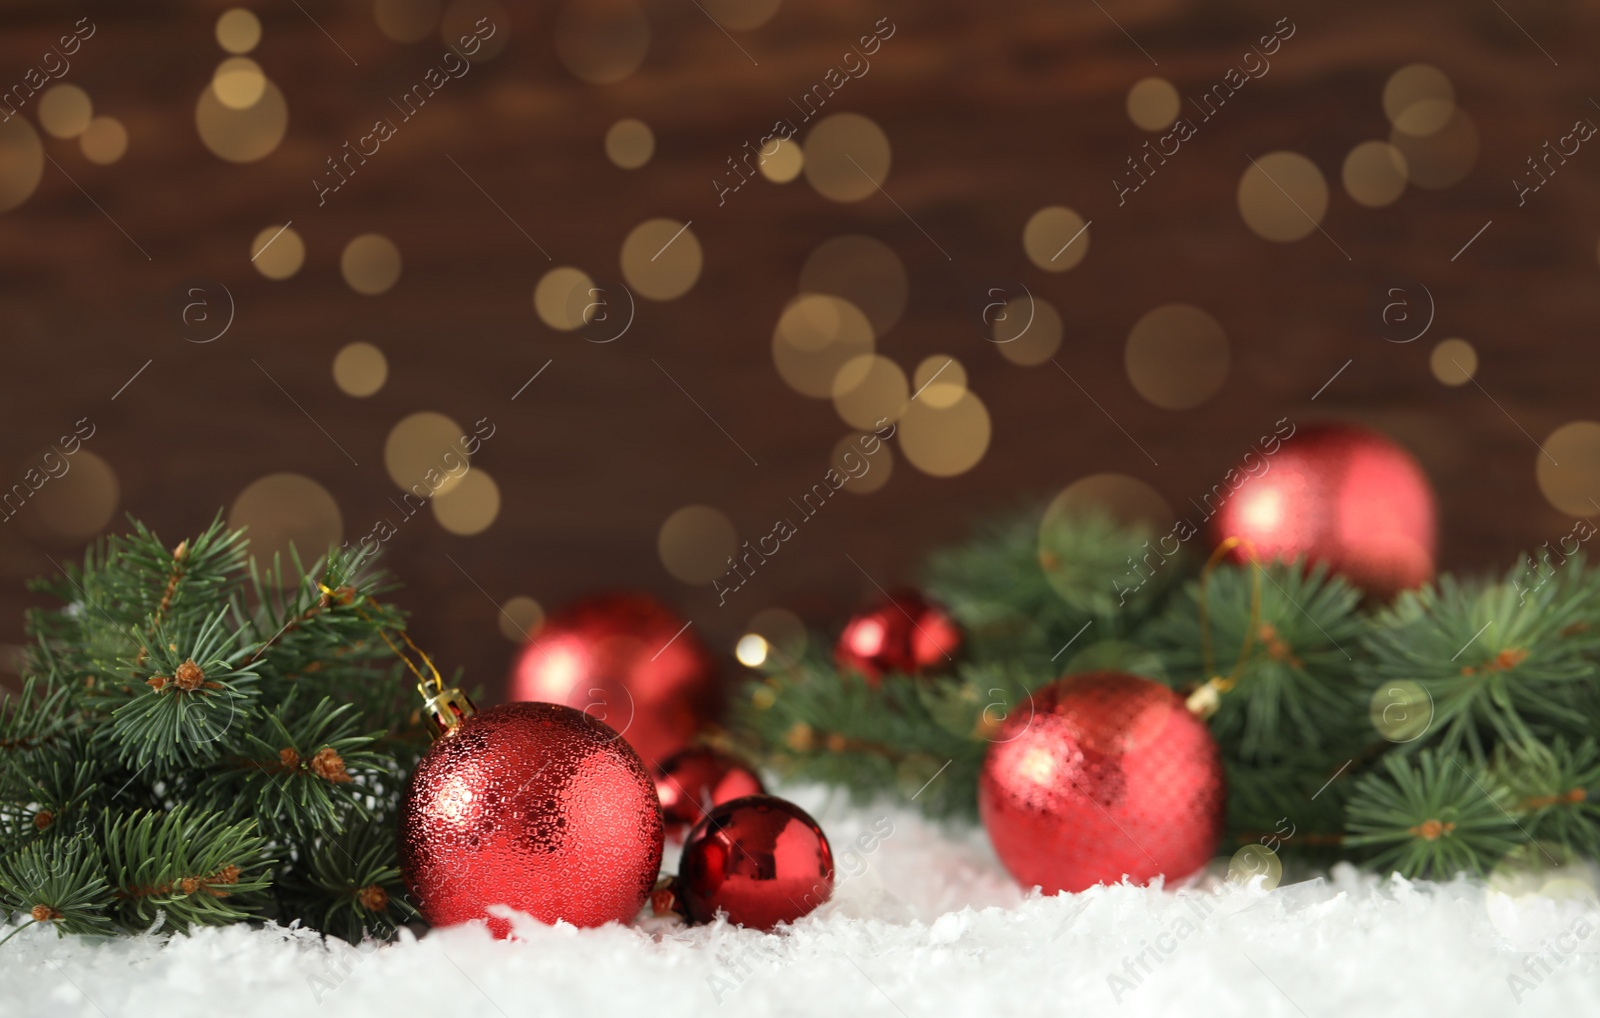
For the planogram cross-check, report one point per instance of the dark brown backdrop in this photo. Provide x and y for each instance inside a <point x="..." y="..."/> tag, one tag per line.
<point x="993" y="110"/>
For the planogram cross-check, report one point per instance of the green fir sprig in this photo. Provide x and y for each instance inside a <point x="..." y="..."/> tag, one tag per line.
<point x="200" y="739"/>
<point x="1429" y="736"/>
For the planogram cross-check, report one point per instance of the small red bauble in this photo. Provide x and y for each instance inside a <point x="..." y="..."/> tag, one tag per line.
<point x="693" y="780"/>
<point x="760" y="859"/>
<point x="1098" y="776"/>
<point x="1337" y="494"/>
<point x="906" y="634"/>
<point x="536" y="806"/>
<point x="626" y="659"/>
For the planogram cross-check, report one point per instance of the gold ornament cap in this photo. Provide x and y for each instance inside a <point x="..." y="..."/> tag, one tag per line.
<point x="446" y="708"/>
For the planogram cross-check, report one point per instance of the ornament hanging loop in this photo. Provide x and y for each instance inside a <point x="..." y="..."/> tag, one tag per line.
<point x="1206" y="699"/>
<point x="445" y="706"/>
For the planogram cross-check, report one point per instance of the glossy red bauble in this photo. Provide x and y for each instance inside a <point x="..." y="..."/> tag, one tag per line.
<point x="536" y="806"/>
<point x="626" y="659"/>
<point x="691" y="781"/>
<point x="1337" y="494"/>
<point x="1100" y="776"/>
<point x="760" y="859"/>
<point x="905" y="634"/>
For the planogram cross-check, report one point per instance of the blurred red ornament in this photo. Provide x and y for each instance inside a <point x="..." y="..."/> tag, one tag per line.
<point x="906" y="634"/>
<point x="626" y="659"/>
<point x="536" y="806"/>
<point x="760" y="859"/>
<point x="1098" y="776"/>
<point x="1337" y="494"/>
<point x="693" y="780"/>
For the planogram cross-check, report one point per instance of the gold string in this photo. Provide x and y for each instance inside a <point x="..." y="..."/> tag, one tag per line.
<point x="1206" y="699"/>
<point x="422" y="680"/>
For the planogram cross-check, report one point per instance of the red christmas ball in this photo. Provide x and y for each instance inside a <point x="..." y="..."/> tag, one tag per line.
<point x="536" y="806"/>
<point x="1098" y="776"/>
<point x="905" y="634"/>
<point x="693" y="780"/>
<point x="1337" y="494"/>
<point x="626" y="659"/>
<point x="760" y="859"/>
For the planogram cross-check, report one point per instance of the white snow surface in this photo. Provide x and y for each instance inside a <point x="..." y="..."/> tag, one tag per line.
<point x="923" y="923"/>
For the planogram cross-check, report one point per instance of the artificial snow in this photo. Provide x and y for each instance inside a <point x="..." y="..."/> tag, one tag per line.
<point x="923" y="922"/>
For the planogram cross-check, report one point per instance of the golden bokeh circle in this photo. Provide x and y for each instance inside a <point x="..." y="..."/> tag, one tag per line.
<point x="458" y="28"/>
<point x="469" y="506"/>
<point x="561" y="296"/>
<point x="242" y="136"/>
<point x="945" y="441"/>
<point x="939" y="381"/>
<point x="1056" y="238"/>
<point x="64" y="111"/>
<point x="21" y="162"/>
<point x="423" y="448"/>
<point x="1442" y="158"/>
<point x="1420" y="97"/>
<point x="239" y="83"/>
<point x="1400" y="711"/>
<point x="1283" y="196"/>
<point x="741" y="15"/>
<point x="1153" y="104"/>
<point x="370" y="264"/>
<point x="104" y="141"/>
<point x="602" y="41"/>
<point x="286" y="509"/>
<point x="863" y="473"/>
<point x="277" y="252"/>
<point x="784" y="162"/>
<point x="1454" y="362"/>
<point x="1568" y="468"/>
<point x="1127" y="500"/>
<point x="1374" y="174"/>
<point x="80" y="502"/>
<point x="1027" y="333"/>
<point x="846" y="157"/>
<point x="406" y="20"/>
<point x="781" y="631"/>
<point x="870" y="391"/>
<point x="630" y="143"/>
<point x="696" y="542"/>
<point x="1425" y="118"/>
<point x="864" y="271"/>
<point x="238" y="30"/>
<point x="816" y="335"/>
<point x="1177" y="356"/>
<point x="1256" y="860"/>
<point x="661" y="259"/>
<point x="360" y="369"/>
<point x="521" y="618"/>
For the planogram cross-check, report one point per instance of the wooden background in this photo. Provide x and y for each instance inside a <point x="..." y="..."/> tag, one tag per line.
<point x="994" y="110"/>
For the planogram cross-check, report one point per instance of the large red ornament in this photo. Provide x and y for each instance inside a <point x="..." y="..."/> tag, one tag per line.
<point x="626" y="659"/>
<point x="693" y="780"/>
<point x="905" y="634"/>
<point x="1098" y="776"/>
<point x="1337" y="494"/>
<point x="536" y="806"/>
<point x="760" y="859"/>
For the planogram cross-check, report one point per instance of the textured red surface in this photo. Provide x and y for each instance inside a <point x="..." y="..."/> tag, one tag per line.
<point x="692" y="781"/>
<point x="904" y="633"/>
<point x="760" y="859"/>
<point x="1102" y="775"/>
<point x="536" y="806"/>
<point x="1342" y="495"/>
<point x="623" y="659"/>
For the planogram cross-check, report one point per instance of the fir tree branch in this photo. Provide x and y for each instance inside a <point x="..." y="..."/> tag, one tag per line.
<point x="194" y="867"/>
<point x="1432" y="814"/>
